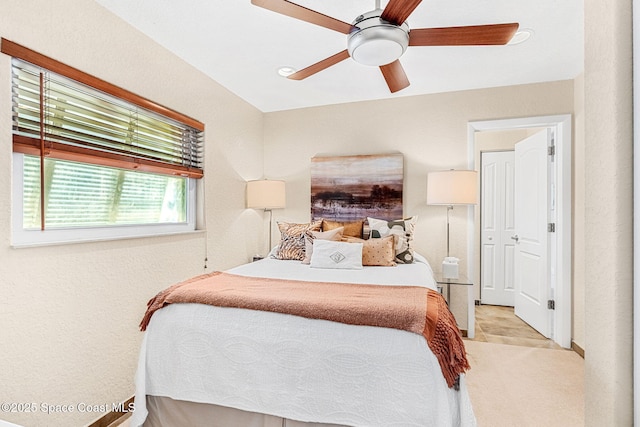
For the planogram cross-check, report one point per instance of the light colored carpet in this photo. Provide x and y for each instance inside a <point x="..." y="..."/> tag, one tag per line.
<point x="521" y="386"/>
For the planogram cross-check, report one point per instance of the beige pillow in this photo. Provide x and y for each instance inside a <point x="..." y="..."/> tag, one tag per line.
<point x="292" y="239"/>
<point x="376" y="252"/>
<point x="352" y="228"/>
<point x="310" y="236"/>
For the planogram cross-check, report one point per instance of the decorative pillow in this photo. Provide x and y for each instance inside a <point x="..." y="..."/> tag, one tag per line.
<point x="310" y="236"/>
<point x="402" y="231"/>
<point x="376" y="252"/>
<point x="292" y="239"/>
<point x="353" y="228"/>
<point x="342" y="255"/>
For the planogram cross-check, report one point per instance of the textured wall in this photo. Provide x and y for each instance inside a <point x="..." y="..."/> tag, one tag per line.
<point x="608" y="213"/>
<point x="579" y="231"/>
<point x="431" y="132"/>
<point x="69" y="314"/>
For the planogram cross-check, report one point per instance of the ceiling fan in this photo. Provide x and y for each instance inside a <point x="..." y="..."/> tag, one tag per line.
<point x="380" y="37"/>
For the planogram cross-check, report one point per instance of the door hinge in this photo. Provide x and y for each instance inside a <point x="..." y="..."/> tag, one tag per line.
<point x="551" y="304"/>
<point x="551" y="150"/>
<point x="551" y="227"/>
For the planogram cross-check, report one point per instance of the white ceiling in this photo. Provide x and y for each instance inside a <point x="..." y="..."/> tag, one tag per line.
<point x="241" y="46"/>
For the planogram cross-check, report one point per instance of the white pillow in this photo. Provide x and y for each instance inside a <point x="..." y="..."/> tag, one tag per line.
<point x="339" y="255"/>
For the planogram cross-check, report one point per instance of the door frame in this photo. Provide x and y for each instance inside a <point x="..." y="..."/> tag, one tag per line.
<point x="562" y="265"/>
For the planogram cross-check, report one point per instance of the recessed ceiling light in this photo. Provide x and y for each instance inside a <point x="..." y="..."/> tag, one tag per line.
<point x="521" y="36"/>
<point x="286" y="71"/>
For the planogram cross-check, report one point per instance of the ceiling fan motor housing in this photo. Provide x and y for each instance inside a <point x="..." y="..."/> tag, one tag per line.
<point x="376" y="42"/>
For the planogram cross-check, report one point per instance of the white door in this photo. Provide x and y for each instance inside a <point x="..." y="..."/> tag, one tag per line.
<point x="532" y="281"/>
<point x="497" y="228"/>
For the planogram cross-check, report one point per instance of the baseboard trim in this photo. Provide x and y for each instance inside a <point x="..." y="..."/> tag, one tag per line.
<point x="110" y="417"/>
<point x="575" y="347"/>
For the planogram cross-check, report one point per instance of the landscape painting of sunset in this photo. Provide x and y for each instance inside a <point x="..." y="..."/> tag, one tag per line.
<point x="349" y="188"/>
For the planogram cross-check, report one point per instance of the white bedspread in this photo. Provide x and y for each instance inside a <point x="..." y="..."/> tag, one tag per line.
<point x="298" y="368"/>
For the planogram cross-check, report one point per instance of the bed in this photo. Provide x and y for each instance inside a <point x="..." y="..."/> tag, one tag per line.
<point x="222" y="366"/>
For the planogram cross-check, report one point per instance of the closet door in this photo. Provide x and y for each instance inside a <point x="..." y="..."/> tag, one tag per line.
<point x="497" y="222"/>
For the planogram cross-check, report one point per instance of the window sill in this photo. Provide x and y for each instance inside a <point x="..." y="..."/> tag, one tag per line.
<point x="92" y="239"/>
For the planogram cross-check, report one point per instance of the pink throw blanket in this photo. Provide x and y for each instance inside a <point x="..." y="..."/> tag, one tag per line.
<point x="410" y="308"/>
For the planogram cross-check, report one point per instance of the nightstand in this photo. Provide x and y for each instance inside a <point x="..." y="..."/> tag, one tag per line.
<point x="462" y="280"/>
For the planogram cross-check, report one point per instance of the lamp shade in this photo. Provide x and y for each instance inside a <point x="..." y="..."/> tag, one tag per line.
<point x="266" y="194"/>
<point x="452" y="187"/>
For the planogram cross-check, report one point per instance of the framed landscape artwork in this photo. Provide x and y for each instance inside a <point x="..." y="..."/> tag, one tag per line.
<point x="348" y="188"/>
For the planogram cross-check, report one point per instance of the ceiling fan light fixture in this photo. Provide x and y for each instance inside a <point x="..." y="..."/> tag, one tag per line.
<point x="376" y="42"/>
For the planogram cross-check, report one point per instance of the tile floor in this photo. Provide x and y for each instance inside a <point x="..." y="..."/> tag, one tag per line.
<point x="498" y="324"/>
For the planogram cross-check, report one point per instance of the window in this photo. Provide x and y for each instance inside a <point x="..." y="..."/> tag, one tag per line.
<point x="92" y="161"/>
<point x="86" y="202"/>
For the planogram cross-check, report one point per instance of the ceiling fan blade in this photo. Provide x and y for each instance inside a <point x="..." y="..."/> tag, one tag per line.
<point x="395" y="76"/>
<point x="293" y="10"/>
<point x="319" y="66"/>
<point x="397" y="11"/>
<point x="474" y="35"/>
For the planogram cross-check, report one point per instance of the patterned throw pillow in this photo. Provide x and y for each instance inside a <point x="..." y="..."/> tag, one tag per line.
<point x="402" y="231"/>
<point x="352" y="228"/>
<point x="310" y="236"/>
<point x="376" y="252"/>
<point x="292" y="238"/>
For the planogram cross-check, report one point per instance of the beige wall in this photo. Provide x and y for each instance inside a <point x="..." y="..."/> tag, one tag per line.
<point x="69" y="314"/>
<point x="608" y="217"/>
<point x="430" y="131"/>
<point x="579" y="230"/>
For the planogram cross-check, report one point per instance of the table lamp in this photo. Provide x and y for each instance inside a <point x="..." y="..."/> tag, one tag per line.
<point x="450" y="188"/>
<point x="268" y="195"/>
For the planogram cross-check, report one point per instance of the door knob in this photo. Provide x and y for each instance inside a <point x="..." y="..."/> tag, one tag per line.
<point x="516" y="238"/>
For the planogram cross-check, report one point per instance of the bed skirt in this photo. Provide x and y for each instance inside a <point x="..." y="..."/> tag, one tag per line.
<point x="167" y="412"/>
